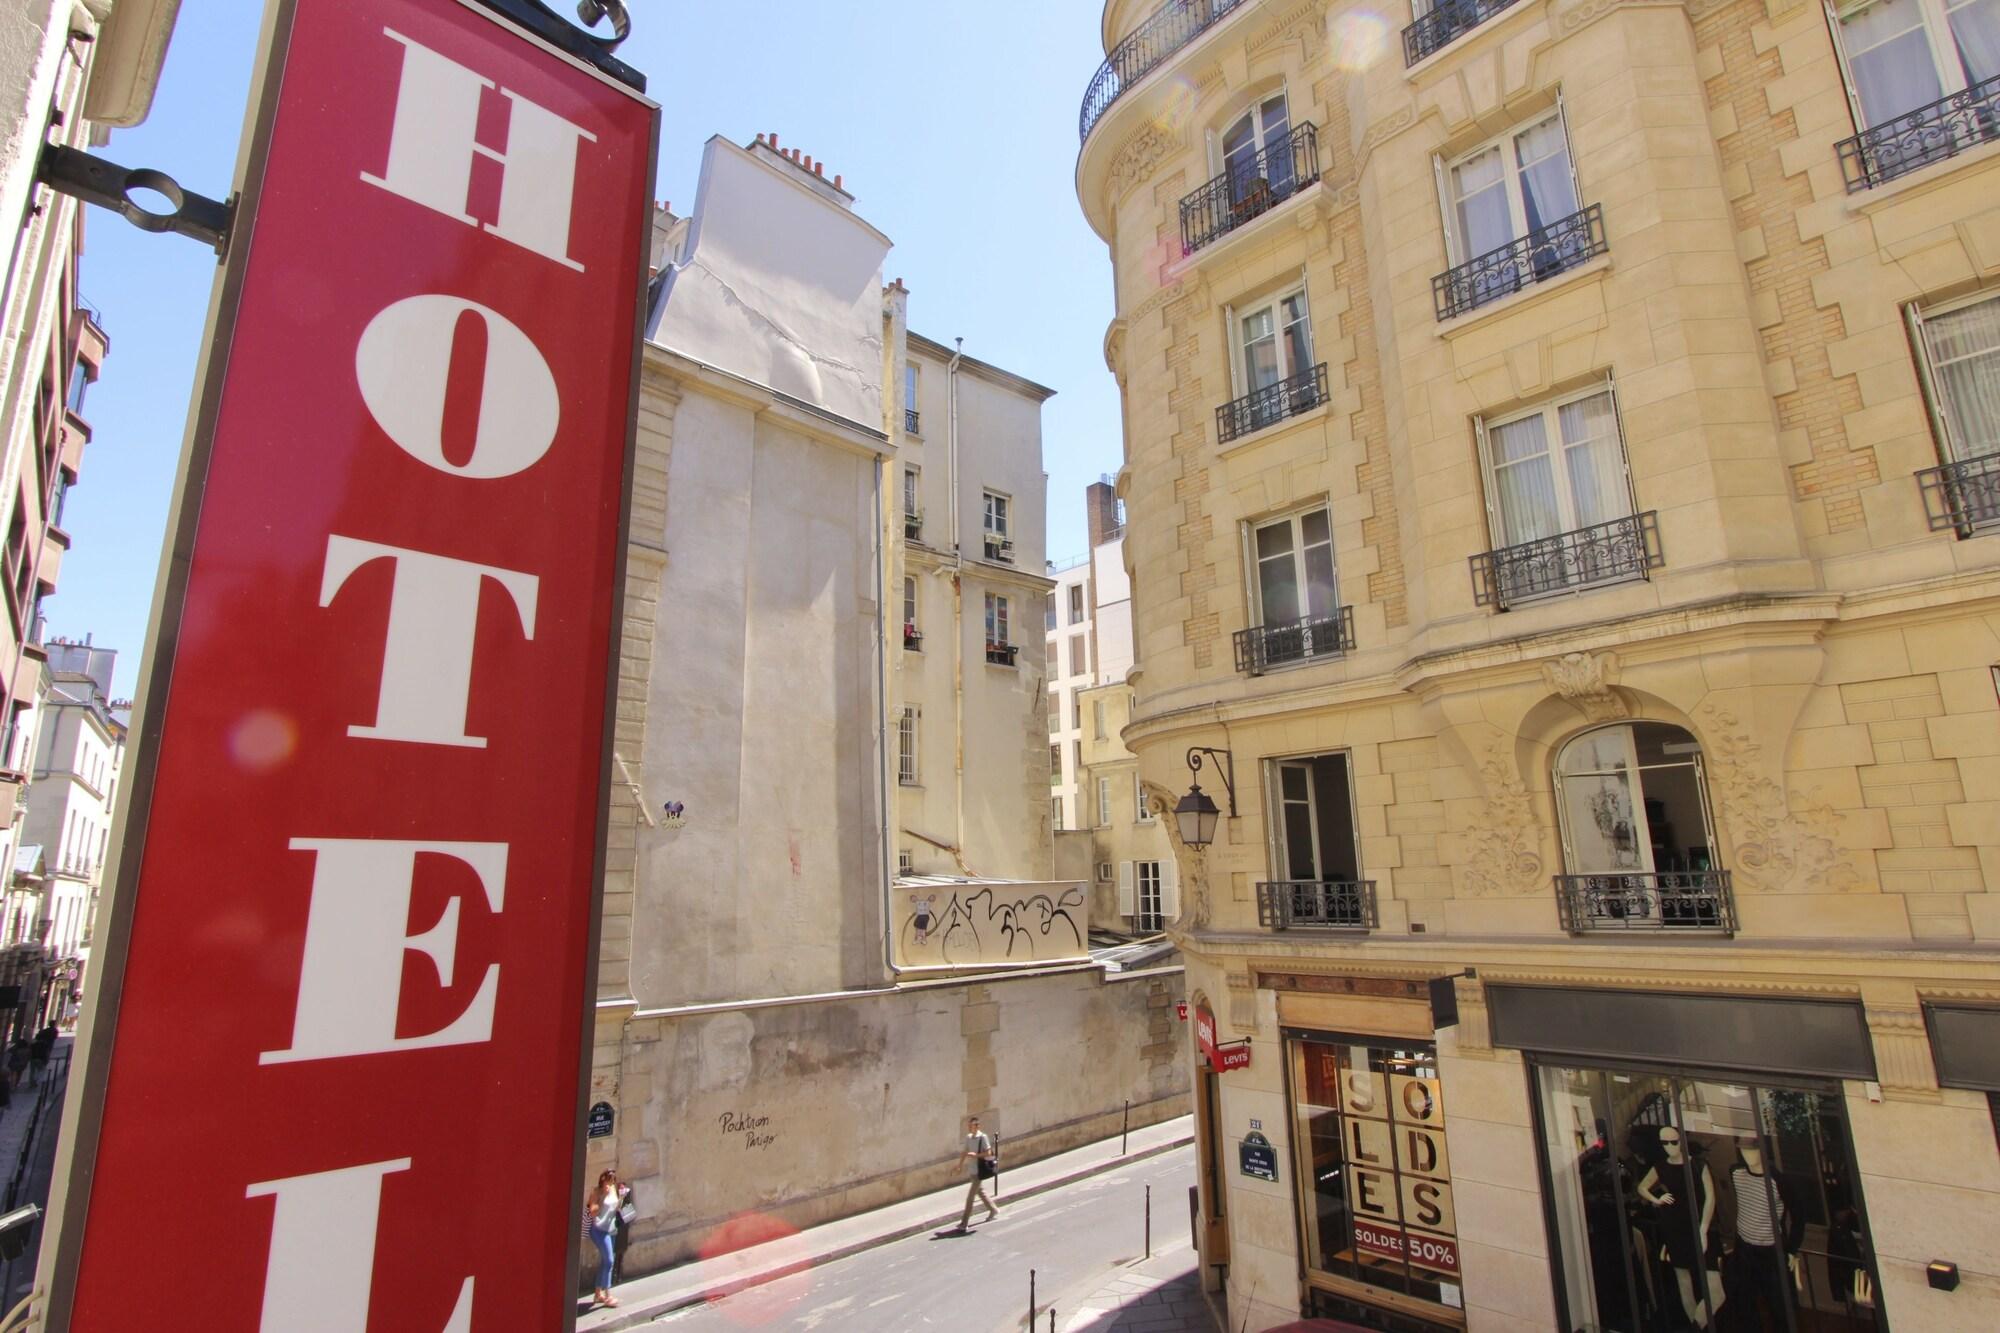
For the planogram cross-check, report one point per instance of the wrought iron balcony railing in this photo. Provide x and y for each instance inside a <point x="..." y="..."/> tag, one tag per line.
<point x="1445" y="21"/>
<point x="1656" y="900"/>
<point x="1262" y="647"/>
<point x="1536" y="257"/>
<point x="1271" y="404"/>
<point x="913" y="641"/>
<point x="1336" y="904"/>
<point x="1002" y="654"/>
<point x="1963" y="495"/>
<point x="910" y="419"/>
<point x="999" y="547"/>
<point x="1169" y="28"/>
<point x="913" y="526"/>
<point x="1250" y="189"/>
<point x="1944" y="128"/>
<point x="1624" y="548"/>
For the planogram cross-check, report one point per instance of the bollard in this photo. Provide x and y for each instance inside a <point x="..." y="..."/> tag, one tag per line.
<point x="1031" y="1300"/>
<point x="1149" y="1221"/>
<point x="1052" y="1320"/>
<point x="1125" y="1129"/>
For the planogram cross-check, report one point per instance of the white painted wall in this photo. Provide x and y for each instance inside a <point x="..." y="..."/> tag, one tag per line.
<point x="1115" y="658"/>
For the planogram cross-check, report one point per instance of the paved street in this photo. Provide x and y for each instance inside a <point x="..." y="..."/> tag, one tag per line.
<point x="1079" y="1239"/>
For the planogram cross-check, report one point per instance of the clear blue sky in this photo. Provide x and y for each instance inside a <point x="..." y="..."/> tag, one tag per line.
<point x="953" y="124"/>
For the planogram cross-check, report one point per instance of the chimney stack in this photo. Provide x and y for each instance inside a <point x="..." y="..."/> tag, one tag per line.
<point x="1100" y="511"/>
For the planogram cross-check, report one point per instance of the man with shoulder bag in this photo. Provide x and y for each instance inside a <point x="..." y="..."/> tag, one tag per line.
<point x="985" y="1166"/>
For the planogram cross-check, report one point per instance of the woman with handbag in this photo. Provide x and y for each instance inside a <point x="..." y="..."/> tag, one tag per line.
<point x="602" y="1207"/>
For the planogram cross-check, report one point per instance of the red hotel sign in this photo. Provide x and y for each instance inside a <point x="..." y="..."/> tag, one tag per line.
<point x="356" y="915"/>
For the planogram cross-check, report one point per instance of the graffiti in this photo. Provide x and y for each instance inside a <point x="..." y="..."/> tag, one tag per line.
<point x="749" y="1126"/>
<point x="987" y="925"/>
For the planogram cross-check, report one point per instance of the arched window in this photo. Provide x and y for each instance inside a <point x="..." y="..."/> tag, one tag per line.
<point x="1638" y="839"/>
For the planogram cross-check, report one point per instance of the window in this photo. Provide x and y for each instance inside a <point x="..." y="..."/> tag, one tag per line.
<point x="1556" y="469"/>
<point x="1960" y="347"/>
<point x="1273" y="343"/>
<point x="910" y="373"/>
<point x="1103" y="872"/>
<point x="79" y="382"/>
<point x="913" y="512"/>
<point x="1638" y="840"/>
<point x="903" y="861"/>
<point x="1263" y="127"/>
<point x="1104" y="803"/>
<point x="1076" y="756"/>
<point x="1147" y="915"/>
<point x="1055" y="765"/>
<point x="999" y="545"/>
<point x="1509" y="188"/>
<point x="906" y="747"/>
<point x="1075" y="604"/>
<point x="1049" y="613"/>
<point x="1141" y="812"/>
<point x="1097" y="717"/>
<point x="1056" y="813"/>
<point x="1079" y="658"/>
<point x="911" y="638"/>
<point x="1076" y="713"/>
<point x="1054" y="670"/>
<point x="1148" y="893"/>
<point x="996" y="621"/>
<point x="1295" y="574"/>
<point x="1905" y="54"/>
<point x="1055" y="712"/>
<point x="1314" y="852"/>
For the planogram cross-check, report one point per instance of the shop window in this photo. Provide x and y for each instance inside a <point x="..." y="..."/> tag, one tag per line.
<point x="1374" y="1175"/>
<point x="1638" y="839"/>
<point x="1315" y="862"/>
<point x="1683" y="1202"/>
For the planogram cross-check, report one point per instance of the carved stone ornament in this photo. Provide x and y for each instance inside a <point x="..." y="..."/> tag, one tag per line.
<point x="1141" y="156"/>
<point x="1503" y="847"/>
<point x="1778" y="846"/>
<point x="1902" y="1050"/>
<point x="1588" y="680"/>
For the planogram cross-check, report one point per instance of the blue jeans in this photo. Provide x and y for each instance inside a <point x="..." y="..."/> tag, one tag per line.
<point x="606" y="1254"/>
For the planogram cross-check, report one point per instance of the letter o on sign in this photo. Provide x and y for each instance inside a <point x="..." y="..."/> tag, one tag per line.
<point x="404" y="360"/>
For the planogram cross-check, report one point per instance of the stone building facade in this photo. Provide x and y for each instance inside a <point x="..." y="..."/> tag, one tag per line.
<point x="1560" y="476"/>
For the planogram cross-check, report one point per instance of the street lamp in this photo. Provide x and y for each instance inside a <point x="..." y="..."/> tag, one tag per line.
<point x="1196" y="813"/>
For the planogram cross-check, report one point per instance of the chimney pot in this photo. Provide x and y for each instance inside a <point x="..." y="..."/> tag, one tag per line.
<point x="774" y="140"/>
<point x="819" y="169"/>
<point x="836" y="182"/>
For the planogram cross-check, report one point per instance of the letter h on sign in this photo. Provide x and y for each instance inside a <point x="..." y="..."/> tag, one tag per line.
<point x="399" y="542"/>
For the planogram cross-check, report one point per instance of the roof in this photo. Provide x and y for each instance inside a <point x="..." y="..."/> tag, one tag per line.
<point x="1041" y="393"/>
<point x="963" y="881"/>
<point x="28" y="859"/>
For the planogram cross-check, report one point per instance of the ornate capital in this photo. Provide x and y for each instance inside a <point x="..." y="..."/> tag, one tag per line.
<point x="1589" y="681"/>
<point x="1902" y="1051"/>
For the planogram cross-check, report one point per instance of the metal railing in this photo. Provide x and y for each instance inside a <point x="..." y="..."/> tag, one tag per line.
<point x="1002" y="654"/>
<point x="1168" y="29"/>
<point x="1541" y="254"/>
<point x="999" y="548"/>
<point x="913" y="640"/>
<point x="1654" y="900"/>
<point x="1250" y="188"/>
<point x="1271" y="404"/>
<point x="913" y="525"/>
<point x="1335" y="904"/>
<point x="1963" y="495"/>
<point x="910" y="420"/>
<point x="1262" y="647"/>
<point x="1931" y="133"/>
<point x="1624" y="548"/>
<point x="1436" y="29"/>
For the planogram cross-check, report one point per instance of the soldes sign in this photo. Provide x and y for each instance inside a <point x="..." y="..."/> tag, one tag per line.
<point x="351" y="940"/>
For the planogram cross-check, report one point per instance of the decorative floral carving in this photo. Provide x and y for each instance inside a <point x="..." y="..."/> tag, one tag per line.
<point x="1141" y="156"/>
<point x="1779" y="848"/>
<point x="1588" y="680"/>
<point x="1395" y="123"/>
<point x="1503" y="851"/>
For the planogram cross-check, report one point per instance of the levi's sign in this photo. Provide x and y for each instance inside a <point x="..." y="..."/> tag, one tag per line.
<point x="353" y="927"/>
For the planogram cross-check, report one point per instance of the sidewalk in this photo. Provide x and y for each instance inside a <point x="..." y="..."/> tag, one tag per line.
<point x="1157" y="1295"/>
<point x="642" y="1300"/>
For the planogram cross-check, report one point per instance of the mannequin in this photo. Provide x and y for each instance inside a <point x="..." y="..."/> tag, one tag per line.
<point x="1685" y="1227"/>
<point x="1765" y="1244"/>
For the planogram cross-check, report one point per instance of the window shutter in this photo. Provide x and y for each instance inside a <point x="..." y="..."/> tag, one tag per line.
<point x="1495" y="529"/>
<point x="1624" y="461"/>
<point x="1170" y="889"/>
<point x="1451" y="259"/>
<point x="1231" y="336"/>
<point x="1127" y="896"/>
<point x="1940" y="423"/>
<point x="1846" y="74"/>
<point x="1569" y="149"/>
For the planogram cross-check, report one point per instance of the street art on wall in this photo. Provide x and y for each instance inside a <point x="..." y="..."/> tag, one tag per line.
<point x="961" y="923"/>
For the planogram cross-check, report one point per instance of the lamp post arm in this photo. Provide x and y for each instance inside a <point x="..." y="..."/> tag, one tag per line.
<point x="1225" y="763"/>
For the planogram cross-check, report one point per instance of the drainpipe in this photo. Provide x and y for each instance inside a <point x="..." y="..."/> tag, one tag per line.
<point x="882" y="722"/>
<point x="958" y="606"/>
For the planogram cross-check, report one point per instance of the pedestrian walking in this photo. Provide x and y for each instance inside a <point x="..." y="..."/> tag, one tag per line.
<point x="601" y="1208"/>
<point x="41" y="1048"/>
<point x="983" y="1167"/>
<point x="17" y="1060"/>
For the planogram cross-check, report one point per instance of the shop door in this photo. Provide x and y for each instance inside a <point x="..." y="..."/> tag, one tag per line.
<point x="1685" y="1202"/>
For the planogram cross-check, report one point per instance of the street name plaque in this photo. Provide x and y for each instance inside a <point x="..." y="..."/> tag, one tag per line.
<point x="336" y="1066"/>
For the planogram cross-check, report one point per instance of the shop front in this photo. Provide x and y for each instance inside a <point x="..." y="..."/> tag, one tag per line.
<point x="1377" y="1225"/>
<point x="1696" y="1162"/>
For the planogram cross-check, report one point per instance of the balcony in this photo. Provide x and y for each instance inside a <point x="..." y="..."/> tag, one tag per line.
<point x="913" y="525"/>
<point x="1262" y="647"/>
<point x="910" y="420"/>
<point x="913" y="642"/>
<point x="1536" y="257"/>
<point x="1444" y="22"/>
<point x="1965" y="496"/>
<point x="1690" y="900"/>
<point x="1332" y="905"/>
<point x="1250" y="189"/>
<point x="1271" y="404"/>
<point x="1943" y="129"/>
<point x="1002" y="654"/>
<point x="1624" y="548"/>
<point x="999" y="548"/>
<point x="1171" y="27"/>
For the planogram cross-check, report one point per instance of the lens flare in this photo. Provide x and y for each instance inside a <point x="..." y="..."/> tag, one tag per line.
<point x="1359" y="38"/>
<point x="744" y="1249"/>
<point x="262" y="739"/>
<point x="1176" y="107"/>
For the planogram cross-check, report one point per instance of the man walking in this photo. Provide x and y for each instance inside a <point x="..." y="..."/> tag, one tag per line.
<point x="979" y="1154"/>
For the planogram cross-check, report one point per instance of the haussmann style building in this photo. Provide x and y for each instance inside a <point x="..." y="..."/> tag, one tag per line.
<point x="1563" y="500"/>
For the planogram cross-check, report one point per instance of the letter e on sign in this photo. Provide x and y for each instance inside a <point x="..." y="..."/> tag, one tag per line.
<point x="347" y="956"/>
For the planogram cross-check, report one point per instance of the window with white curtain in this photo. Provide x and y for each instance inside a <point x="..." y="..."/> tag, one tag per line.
<point x="1295" y="574"/>
<point x="1960" y="348"/>
<point x="1257" y="130"/>
<point x="1904" y="54"/>
<point x="1555" y="469"/>
<point x="1510" y="187"/>
<point x="1273" y="341"/>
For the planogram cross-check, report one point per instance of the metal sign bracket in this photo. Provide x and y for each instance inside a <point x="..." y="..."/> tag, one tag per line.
<point x="97" y="180"/>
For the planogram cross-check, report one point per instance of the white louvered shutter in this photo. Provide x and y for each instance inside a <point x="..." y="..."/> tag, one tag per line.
<point x="1127" y="901"/>
<point x="1170" y="889"/>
